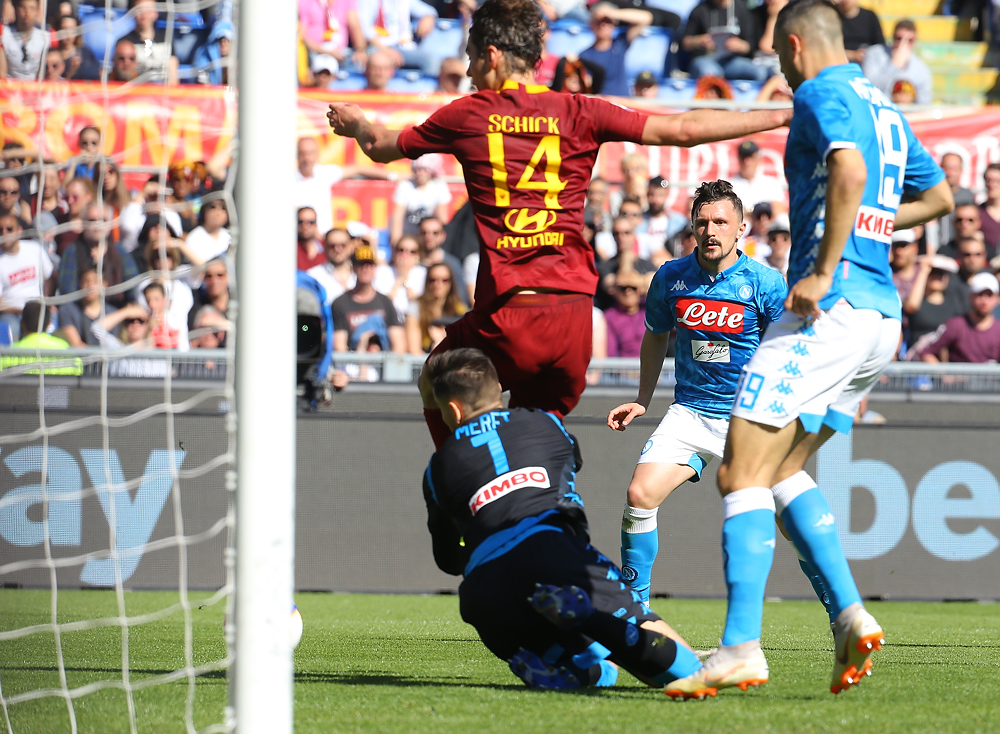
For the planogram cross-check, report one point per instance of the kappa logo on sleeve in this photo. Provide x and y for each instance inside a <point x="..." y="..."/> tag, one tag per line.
<point x="529" y="476"/>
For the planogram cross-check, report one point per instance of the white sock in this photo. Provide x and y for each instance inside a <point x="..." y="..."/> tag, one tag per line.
<point x="787" y="490"/>
<point x="747" y="500"/>
<point x="638" y="520"/>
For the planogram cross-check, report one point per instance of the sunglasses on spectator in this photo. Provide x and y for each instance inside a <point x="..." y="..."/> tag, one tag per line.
<point x="426" y="232"/>
<point x="627" y="288"/>
<point x="129" y="322"/>
<point x="210" y="275"/>
<point x="8" y="229"/>
<point x="972" y="254"/>
<point x="621" y="232"/>
<point x="9" y="192"/>
<point x="307" y="221"/>
<point x="120" y="57"/>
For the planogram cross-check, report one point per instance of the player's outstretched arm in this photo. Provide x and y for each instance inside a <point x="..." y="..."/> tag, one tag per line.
<point x="709" y="126"/>
<point x="651" y="356"/>
<point x="935" y="202"/>
<point x="378" y="142"/>
<point x="844" y="190"/>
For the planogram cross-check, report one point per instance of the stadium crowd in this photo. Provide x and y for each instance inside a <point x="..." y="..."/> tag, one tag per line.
<point x="396" y="289"/>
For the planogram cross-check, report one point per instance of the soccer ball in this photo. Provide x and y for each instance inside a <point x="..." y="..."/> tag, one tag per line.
<point x="295" y="629"/>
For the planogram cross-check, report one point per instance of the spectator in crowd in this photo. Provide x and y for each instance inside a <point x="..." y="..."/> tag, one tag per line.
<point x="77" y="317"/>
<point x="210" y="239"/>
<point x="648" y="246"/>
<point x="25" y="272"/>
<point x="967" y="225"/>
<point x="336" y="275"/>
<point x="92" y="247"/>
<point x="402" y="279"/>
<point x="885" y="66"/>
<point x="23" y="43"/>
<point x="439" y="301"/>
<point x="752" y="185"/>
<point x="686" y="243"/>
<point x="314" y="180"/>
<point x="426" y="195"/>
<point x="462" y="241"/>
<point x="452" y="78"/>
<point x="310" y="247"/>
<point x="55" y="67"/>
<point x="659" y="221"/>
<point x="626" y="318"/>
<point x="754" y="242"/>
<point x="574" y="75"/>
<point x="324" y="69"/>
<point x="765" y="15"/>
<point x="595" y="211"/>
<point x="712" y="87"/>
<point x="34" y="325"/>
<point x="989" y="210"/>
<point x="125" y="64"/>
<point x="162" y="328"/>
<point x="721" y="37"/>
<point x="80" y="62"/>
<point x="608" y="51"/>
<point x="862" y="29"/>
<point x="645" y="86"/>
<point x="564" y="10"/>
<point x="212" y="59"/>
<point x="903" y="258"/>
<point x="942" y="231"/>
<point x="134" y="215"/>
<point x="625" y="259"/>
<point x="214" y="292"/>
<point x="332" y="27"/>
<point x="164" y="261"/>
<point x="431" y="236"/>
<point x="932" y="299"/>
<point x="903" y="92"/>
<point x="972" y="337"/>
<point x="364" y="319"/>
<point x="15" y="158"/>
<point x="80" y="193"/>
<point x="635" y="181"/>
<point x="180" y="198"/>
<point x="779" y="242"/>
<point x="84" y="163"/>
<point x="108" y="180"/>
<point x="156" y="229"/>
<point x="972" y="260"/>
<point x="46" y="204"/>
<point x="210" y="328"/>
<point x="134" y="326"/>
<point x="380" y="70"/>
<point x="11" y="203"/>
<point x="545" y="72"/>
<point x="154" y="56"/>
<point x="386" y="25"/>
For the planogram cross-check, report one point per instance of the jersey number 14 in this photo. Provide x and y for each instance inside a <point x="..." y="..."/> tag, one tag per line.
<point x="548" y="148"/>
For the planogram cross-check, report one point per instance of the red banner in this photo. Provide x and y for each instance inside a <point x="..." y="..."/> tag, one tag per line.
<point x="152" y="125"/>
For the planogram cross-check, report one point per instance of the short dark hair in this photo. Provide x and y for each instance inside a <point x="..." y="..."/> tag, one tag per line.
<point x="992" y="167"/>
<point x="801" y="14"/>
<point x="717" y="191"/>
<point x="512" y="26"/>
<point x="155" y="287"/>
<point x="905" y="24"/>
<point x="466" y="375"/>
<point x="34" y="315"/>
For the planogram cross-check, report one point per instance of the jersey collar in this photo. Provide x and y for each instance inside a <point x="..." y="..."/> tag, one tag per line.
<point x="529" y="88"/>
<point x="727" y="273"/>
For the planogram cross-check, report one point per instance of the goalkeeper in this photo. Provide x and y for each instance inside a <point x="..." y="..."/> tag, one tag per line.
<point x="504" y="512"/>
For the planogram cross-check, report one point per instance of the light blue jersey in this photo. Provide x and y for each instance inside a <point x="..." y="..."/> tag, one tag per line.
<point x="839" y="108"/>
<point x="719" y="324"/>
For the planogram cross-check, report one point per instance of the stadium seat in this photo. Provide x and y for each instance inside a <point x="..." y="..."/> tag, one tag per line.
<point x="682" y="90"/>
<point x="101" y="39"/>
<point x="5" y="336"/>
<point x="568" y="38"/>
<point x="412" y="82"/>
<point x="648" y="52"/>
<point x="348" y="82"/>
<point x="184" y="22"/>
<point x="445" y="41"/>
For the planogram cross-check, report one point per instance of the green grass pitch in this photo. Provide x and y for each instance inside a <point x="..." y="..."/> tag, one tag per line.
<point x="381" y="663"/>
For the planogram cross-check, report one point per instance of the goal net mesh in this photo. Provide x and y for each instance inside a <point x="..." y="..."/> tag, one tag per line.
<point x="117" y="456"/>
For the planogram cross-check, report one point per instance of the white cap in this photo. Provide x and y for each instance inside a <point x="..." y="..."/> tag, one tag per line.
<point x="903" y="235"/>
<point x="780" y="224"/>
<point x="945" y="263"/>
<point x="325" y="62"/>
<point x="984" y="282"/>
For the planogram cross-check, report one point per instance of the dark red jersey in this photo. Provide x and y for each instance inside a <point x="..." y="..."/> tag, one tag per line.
<point x="528" y="155"/>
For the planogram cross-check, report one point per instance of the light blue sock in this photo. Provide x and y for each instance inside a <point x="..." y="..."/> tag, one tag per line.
<point x="684" y="665"/>
<point x="817" y="583"/>
<point x="640" y="544"/>
<point x="747" y="554"/>
<point x="811" y="524"/>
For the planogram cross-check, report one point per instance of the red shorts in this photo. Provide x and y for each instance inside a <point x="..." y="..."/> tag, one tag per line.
<point x="540" y="343"/>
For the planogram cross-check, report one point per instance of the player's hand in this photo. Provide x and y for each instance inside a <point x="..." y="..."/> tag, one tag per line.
<point x="620" y="417"/>
<point x="345" y="119"/>
<point x="804" y="297"/>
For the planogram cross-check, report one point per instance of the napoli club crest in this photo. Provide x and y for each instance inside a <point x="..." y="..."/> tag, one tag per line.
<point x="745" y="292"/>
<point x="647" y="447"/>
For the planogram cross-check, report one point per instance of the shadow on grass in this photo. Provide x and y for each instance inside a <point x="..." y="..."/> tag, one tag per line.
<point x="114" y="672"/>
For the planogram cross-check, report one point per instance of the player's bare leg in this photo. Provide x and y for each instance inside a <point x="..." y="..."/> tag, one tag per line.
<point x="651" y="484"/>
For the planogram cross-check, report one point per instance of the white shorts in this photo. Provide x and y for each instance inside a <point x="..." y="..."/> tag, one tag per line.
<point x="817" y="371"/>
<point x="687" y="438"/>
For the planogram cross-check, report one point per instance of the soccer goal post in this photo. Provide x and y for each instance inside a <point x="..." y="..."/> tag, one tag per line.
<point x="265" y="364"/>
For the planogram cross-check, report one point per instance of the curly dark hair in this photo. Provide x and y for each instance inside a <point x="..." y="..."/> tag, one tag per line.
<point x="716" y="191"/>
<point x="512" y="26"/>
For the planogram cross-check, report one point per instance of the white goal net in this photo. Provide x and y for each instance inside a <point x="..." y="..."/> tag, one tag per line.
<point x="118" y="401"/>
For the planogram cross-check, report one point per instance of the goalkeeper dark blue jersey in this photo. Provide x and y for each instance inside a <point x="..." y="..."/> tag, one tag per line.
<point x="499" y="479"/>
